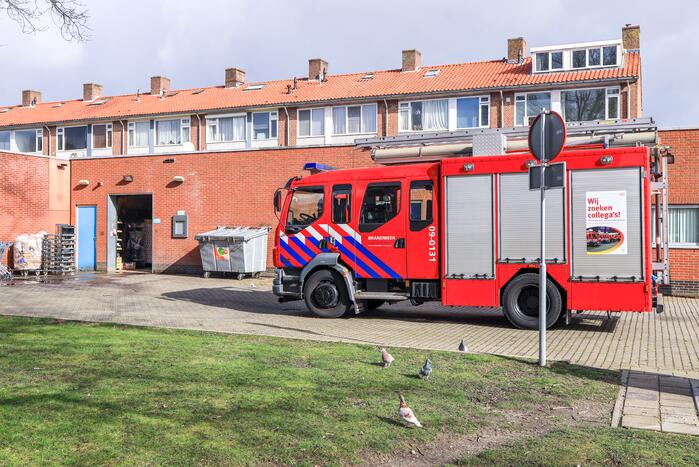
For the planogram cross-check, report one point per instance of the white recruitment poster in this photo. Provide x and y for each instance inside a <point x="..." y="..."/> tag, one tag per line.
<point x="605" y="222"/>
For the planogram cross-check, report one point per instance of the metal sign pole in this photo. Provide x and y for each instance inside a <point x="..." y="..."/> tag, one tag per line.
<point x="542" y="259"/>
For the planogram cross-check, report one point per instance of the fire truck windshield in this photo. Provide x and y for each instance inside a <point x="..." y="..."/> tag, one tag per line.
<point x="306" y="207"/>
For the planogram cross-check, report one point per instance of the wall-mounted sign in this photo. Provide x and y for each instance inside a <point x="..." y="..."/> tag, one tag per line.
<point x="605" y="222"/>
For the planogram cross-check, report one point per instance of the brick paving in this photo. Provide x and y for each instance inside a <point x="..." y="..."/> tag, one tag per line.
<point x="665" y="343"/>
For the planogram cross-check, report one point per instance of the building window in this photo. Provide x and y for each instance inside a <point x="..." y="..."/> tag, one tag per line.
<point x="354" y="119"/>
<point x="225" y="129"/>
<point x="138" y="134"/>
<point x="595" y="57"/>
<point x="683" y="226"/>
<point x="548" y="61"/>
<point x="72" y="138"/>
<point x="4" y="140"/>
<point x="29" y="140"/>
<point x="185" y="123"/>
<point x="311" y="122"/>
<point x="583" y="105"/>
<point x="264" y="125"/>
<point x="102" y="136"/>
<point x="424" y="115"/>
<point x="528" y="106"/>
<point x="167" y="132"/>
<point x="472" y="112"/>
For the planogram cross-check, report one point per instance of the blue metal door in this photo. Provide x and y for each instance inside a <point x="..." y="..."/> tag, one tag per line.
<point x="87" y="235"/>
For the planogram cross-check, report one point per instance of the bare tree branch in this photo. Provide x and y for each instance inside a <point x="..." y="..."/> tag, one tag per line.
<point x="69" y="16"/>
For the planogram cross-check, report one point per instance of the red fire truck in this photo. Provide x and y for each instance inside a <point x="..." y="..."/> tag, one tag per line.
<point x="464" y="231"/>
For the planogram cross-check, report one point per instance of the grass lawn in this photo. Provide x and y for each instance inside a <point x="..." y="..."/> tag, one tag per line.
<point x="75" y="393"/>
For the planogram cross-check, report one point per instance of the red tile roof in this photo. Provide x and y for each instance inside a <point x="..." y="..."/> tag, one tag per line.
<point x="473" y="76"/>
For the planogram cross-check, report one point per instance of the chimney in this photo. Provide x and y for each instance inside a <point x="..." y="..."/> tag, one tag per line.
<point x="30" y="98"/>
<point x="631" y="37"/>
<point x="234" y="77"/>
<point x="158" y="84"/>
<point x="516" y="49"/>
<point x="92" y="91"/>
<point x="317" y="69"/>
<point x="412" y="60"/>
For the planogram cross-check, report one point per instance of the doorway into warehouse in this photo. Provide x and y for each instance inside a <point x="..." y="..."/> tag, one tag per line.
<point x="130" y="239"/>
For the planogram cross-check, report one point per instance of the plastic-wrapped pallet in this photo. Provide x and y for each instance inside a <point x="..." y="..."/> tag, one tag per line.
<point x="27" y="251"/>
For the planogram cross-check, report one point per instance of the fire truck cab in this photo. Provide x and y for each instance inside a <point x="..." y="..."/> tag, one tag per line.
<point x="464" y="231"/>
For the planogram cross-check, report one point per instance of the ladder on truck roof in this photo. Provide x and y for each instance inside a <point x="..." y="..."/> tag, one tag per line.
<point x="435" y="145"/>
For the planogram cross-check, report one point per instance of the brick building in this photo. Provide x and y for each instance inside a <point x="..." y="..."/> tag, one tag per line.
<point x="216" y="154"/>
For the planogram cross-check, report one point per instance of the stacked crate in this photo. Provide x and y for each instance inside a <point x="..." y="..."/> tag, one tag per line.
<point x="58" y="252"/>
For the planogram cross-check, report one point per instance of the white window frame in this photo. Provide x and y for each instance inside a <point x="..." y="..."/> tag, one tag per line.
<point x="10" y="137"/>
<point x="550" y="61"/>
<point x="483" y="101"/>
<point x="613" y="92"/>
<point x="410" y="115"/>
<point x="601" y="57"/>
<point x="670" y="244"/>
<point x="60" y="136"/>
<point x="518" y="97"/>
<point x="213" y="122"/>
<point x="310" y="111"/>
<point x="131" y="127"/>
<point x="179" y="121"/>
<point x="109" y="135"/>
<point x="362" y="119"/>
<point x="38" y="140"/>
<point x="273" y="116"/>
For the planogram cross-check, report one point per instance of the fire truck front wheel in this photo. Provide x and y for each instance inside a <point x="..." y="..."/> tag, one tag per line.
<point x="521" y="302"/>
<point x="326" y="295"/>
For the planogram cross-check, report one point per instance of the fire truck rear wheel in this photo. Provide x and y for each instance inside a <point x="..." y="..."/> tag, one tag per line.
<point x="521" y="302"/>
<point x="326" y="295"/>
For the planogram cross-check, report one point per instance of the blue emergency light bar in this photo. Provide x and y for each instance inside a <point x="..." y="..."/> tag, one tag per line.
<point x="317" y="167"/>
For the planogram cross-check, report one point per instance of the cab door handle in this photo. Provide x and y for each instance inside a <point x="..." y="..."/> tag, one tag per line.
<point x="399" y="243"/>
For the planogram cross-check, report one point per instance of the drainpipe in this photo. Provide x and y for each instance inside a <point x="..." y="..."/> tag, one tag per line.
<point x="502" y="110"/>
<point x="123" y="142"/>
<point x="49" y="137"/>
<point x="198" y="132"/>
<point x="288" y="130"/>
<point x="385" y="118"/>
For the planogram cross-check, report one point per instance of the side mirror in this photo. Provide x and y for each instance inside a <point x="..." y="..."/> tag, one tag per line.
<point x="278" y="200"/>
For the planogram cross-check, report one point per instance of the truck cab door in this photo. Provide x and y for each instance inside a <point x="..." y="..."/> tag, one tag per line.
<point x="380" y="246"/>
<point x="422" y="237"/>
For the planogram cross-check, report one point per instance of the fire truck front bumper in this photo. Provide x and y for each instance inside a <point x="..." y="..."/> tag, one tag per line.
<point x="286" y="285"/>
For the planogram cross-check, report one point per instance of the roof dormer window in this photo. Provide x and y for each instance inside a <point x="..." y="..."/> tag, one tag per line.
<point x="576" y="56"/>
<point x="549" y="61"/>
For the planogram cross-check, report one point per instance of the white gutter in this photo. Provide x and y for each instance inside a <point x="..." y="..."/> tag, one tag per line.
<point x="288" y="131"/>
<point x="628" y="99"/>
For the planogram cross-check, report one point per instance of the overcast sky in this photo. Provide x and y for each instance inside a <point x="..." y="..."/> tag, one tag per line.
<point x="192" y="42"/>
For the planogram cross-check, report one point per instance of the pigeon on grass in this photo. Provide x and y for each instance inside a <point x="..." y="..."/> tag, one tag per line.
<point x="386" y="358"/>
<point x="406" y="413"/>
<point x="426" y="370"/>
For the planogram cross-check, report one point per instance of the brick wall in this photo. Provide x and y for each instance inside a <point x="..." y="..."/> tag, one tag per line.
<point x="683" y="189"/>
<point x="227" y="188"/>
<point x="24" y="195"/>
